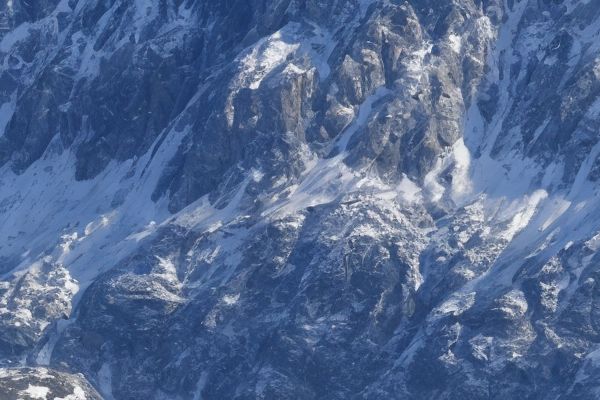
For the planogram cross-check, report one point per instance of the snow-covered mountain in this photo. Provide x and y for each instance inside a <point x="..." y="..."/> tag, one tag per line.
<point x="299" y="199"/>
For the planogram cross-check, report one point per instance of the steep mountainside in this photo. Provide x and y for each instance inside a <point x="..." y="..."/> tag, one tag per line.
<point x="299" y="199"/>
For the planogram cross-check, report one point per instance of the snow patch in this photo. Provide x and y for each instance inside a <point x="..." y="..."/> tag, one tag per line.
<point x="456" y="305"/>
<point x="264" y="57"/>
<point x="105" y="381"/>
<point x="364" y="111"/>
<point x="37" y="392"/>
<point x="458" y="159"/>
<point x="6" y="112"/>
<point x="455" y="43"/>
<point x="15" y="36"/>
<point x="231" y="299"/>
<point x="409" y="191"/>
<point x="524" y="213"/>
<point x="78" y="394"/>
<point x="293" y="41"/>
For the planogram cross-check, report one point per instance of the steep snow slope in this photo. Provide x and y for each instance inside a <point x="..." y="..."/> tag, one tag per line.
<point x="300" y="199"/>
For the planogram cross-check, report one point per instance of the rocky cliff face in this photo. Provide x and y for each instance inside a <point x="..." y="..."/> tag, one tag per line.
<point x="299" y="199"/>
